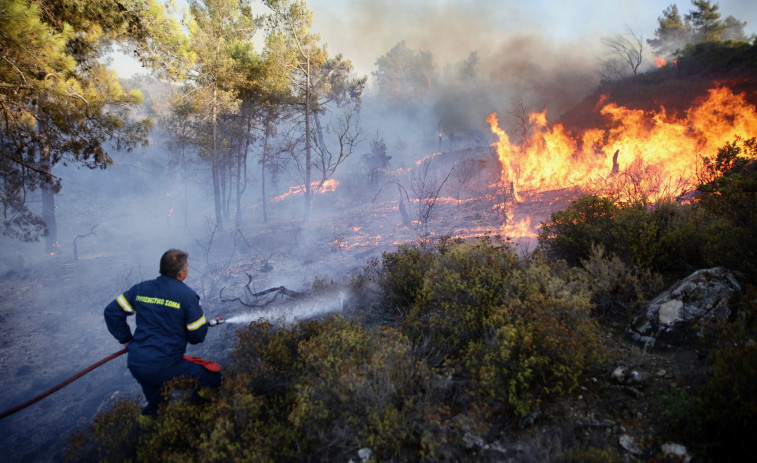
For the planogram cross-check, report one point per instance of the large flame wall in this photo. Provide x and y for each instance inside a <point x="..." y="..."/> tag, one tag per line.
<point x="671" y="145"/>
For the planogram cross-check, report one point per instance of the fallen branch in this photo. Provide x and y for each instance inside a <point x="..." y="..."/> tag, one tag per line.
<point x="256" y="297"/>
<point x="91" y="232"/>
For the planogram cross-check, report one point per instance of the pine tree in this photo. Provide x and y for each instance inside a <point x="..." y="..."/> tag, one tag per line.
<point x="59" y="101"/>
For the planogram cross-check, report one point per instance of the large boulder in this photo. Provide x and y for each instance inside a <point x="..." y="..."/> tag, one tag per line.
<point x="701" y="298"/>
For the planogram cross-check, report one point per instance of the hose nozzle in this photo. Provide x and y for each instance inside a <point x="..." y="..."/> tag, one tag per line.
<point x="216" y="321"/>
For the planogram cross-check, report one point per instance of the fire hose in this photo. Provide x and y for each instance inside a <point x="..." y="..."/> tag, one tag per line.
<point x="214" y="322"/>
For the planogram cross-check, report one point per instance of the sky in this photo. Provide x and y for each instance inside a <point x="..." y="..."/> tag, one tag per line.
<point x="364" y="30"/>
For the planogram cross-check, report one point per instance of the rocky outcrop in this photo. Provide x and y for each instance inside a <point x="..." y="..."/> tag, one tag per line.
<point x="701" y="298"/>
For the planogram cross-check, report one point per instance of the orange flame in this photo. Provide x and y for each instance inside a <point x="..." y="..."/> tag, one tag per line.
<point x="659" y="62"/>
<point x="328" y="185"/>
<point x="637" y="142"/>
<point x="418" y="163"/>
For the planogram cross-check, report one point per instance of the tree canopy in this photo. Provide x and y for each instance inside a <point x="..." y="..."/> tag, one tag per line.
<point x="60" y="103"/>
<point x="702" y="24"/>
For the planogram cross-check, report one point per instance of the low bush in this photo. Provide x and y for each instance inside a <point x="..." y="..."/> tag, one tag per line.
<point x="402" y="272"/>
<point x="569" y="234"/>
<point x="112" y="436"/>
<point x="460" y="287"/>
<point x="535" y="348"/>
<point x="618" y="290"/>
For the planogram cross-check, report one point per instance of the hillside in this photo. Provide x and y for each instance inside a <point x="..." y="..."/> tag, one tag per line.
<point x="675" y="86"/>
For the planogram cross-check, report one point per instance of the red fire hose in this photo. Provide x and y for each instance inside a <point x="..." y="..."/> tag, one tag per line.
<point x="63" y="384"/>
<point x="213" y="322"/>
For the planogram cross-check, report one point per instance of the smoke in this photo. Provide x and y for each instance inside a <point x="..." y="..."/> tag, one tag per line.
<point x="488" y="57"/>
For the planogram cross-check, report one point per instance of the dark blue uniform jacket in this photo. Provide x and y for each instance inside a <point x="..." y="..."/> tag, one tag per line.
<point x="168" y="316"/>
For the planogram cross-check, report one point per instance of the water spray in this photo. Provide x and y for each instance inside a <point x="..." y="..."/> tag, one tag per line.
<point x="305" y="308"/>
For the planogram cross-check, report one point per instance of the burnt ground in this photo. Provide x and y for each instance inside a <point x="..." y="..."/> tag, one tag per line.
<point x="51" y="323"/>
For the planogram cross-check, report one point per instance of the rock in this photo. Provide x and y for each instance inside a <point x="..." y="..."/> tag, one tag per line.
<point x="365" y="454"/>
<point x="619" y="375"/>
<point x="630" y="377"/>
<point x="676" y="451"/>
<point x="700" y="298"/>
<point x="629" y="444"/>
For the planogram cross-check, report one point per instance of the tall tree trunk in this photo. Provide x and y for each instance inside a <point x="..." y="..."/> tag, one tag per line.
<point x="48" y="195"/>
<point x="242" y="170"/>
<point x="263" y="166"/>
<point x="186" y="187"/>
<point x="48" y="215"/>
<point x="225" y="186"/>
<point x="216" y="166"/>
<point x="308" y="147"/>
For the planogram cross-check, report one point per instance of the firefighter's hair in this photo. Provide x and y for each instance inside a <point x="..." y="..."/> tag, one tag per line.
<point x="172" y="262"/>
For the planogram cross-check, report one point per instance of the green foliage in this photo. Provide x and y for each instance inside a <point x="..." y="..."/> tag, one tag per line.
<point x="569" y="234"/>
<point x="175" y="436"/>
<point x="460" y="288"/>
<point x="268" y="355"/>
<point x="112" y="436"/>
<point x="618" y="289"/>
<point x="242" y="427"/>
<point x="359" y="387"/>
<point x="730" y="195"/>
<point x="60" y="103"/>
<point x="401" y="277"/>
<point x="534" y="350"/>
<point x="717" y="58"/>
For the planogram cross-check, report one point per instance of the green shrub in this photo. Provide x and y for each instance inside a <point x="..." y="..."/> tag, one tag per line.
<point x="460" y="288"/>
<point x="402" y="272"/>
<point x="175" y="435"/>
<point x="241" y="426"/>
<point x="111" y="437"/>
<point x="361" y="388"/>
<point x="534" y="350"/>
<point x="636" y="236"/>
<point x="618" y="290"/>
<point x="730" y="193"/>
<point x="570" y="233"/>
<point x="268" y="354"/>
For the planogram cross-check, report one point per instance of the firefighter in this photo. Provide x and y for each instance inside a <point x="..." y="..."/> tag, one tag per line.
<point x="168" y="315"/>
